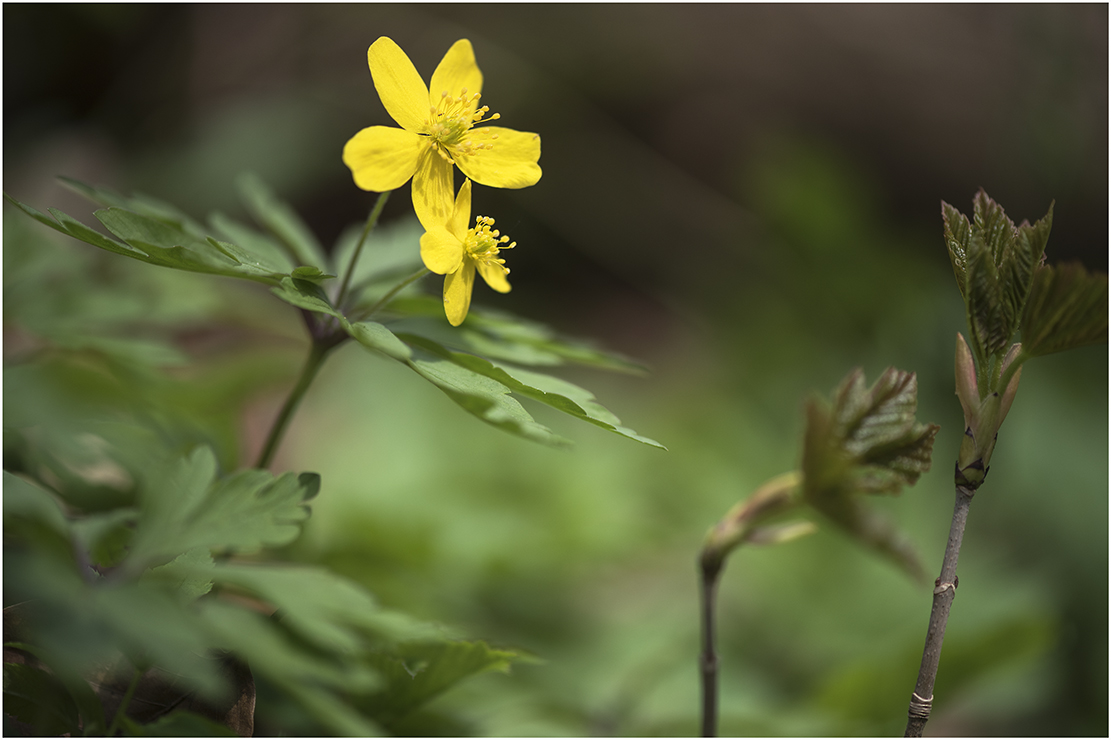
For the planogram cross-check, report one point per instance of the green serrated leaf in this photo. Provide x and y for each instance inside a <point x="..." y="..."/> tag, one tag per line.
<point x="185" y="507"/>
<point x="990" y="221"/>
<point x="282" y="221"/>
<point x="418" y="672"/>
<point x="991" y="322"/>
<point x="305" y="294"/>
<point x="78" y="230"/>
<point x="994" y="262"/>
<point x="1067" y="308"/>
<point x="482" y="396"/>
<point x="559" y="394"/>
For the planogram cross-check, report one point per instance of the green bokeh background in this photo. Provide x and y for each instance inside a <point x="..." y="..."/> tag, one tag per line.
<point x="745" y="197"/>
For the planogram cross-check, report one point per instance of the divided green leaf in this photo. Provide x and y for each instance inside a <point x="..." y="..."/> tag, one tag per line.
<point x="186" y="507"/>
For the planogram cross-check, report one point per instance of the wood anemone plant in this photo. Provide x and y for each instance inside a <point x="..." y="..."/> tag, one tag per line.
<point x="1007" y="288"/>
<point x="866" y="441"/>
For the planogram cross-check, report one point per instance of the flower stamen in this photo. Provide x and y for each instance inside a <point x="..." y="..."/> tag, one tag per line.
<point x="450" y="121"/>
<point x="482" y="244"/>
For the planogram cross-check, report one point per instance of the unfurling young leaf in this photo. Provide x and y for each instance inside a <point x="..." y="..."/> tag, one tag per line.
<point x="866" y="441"/>
<point x="1067" y="308"/>
<point x="994" y="263"/>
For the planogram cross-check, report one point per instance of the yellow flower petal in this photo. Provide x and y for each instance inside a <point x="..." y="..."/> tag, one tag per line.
<point x="510" y="164"/>
<point x="494" y="276"/>
<point x="456" y="71"/>
<point x="381" y="157"/>
<point x="433" y="191"/>
<point x="399" y="85"/>
<point x="461" y="214"/>
<point x="457" y="293"/>
<point x="441" y="251"/>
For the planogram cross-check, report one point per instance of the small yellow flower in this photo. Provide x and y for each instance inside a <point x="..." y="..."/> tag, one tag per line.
<point x="437" y="131"/>
<point x="449" y="248"/>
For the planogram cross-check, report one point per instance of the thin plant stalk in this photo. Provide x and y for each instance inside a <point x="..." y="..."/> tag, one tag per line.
<point x="121" y="712"/>
<point x="945" y="589"/>
<point x="393" y="292"/>
<point x="317" y="353"/>
<point x="708" y="660"/>
<point x="371" y="221"/>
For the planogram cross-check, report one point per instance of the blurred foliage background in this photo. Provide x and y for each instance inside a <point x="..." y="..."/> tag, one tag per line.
<point x="747" y="198"/>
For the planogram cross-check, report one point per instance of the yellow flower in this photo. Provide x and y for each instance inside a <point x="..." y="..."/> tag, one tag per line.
<point x="437" y="131"/>
<point x="449" y="248"/>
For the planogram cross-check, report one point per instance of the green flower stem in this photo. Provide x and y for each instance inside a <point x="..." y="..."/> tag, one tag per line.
<point x="708" y="661"/>
<point x="371" y="221"/>
<point x="945" y="589"/>
<point x="363" y="315"/>
<point x="122" y="711"/>
<point x="317" y="353"/>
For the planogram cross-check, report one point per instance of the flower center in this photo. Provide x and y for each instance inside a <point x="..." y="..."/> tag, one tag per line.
<point x="483" y="244"/>
<point x="450" y="121"/>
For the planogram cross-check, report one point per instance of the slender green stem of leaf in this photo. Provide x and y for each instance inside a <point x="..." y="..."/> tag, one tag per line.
<point x="945" y="589"/>
<point x="313" y="362"/>
<point x="371" y="221"/>
<point x="363" y="315"/>
<point x="122" y="711"/>
<point x="708" y="661"/>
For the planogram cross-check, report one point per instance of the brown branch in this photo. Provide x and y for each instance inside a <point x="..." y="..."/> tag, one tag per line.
<point x="945" y="589"/>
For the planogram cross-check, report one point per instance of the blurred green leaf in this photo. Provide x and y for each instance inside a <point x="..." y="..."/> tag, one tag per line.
<point x="417" y="672"/>
<point x="185" y="507"/>
<point x="501" y="335"/>
<point x="310" y="678"/>
<point x="325" y="609"/>
<point x="178" y="724"/>
<point x="72" y="227"/>
<point x="282" y="221"/>
<point x="35" y="697"/>
<point x="144" y="205"/>
<point x="255" y="243"/>
<point x="1067" y="308"/>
